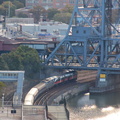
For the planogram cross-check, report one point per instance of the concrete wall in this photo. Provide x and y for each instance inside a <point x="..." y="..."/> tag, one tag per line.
<point x="72" y="92"/>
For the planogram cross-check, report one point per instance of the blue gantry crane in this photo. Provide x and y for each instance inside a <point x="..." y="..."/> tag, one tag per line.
<point x="92" y="42"/>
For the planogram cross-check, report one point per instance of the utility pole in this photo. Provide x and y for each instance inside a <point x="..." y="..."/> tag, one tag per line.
<point x="3" y="101"/>
<point x="9" y="9"/>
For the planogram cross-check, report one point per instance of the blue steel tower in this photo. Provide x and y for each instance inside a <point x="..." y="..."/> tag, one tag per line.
<point x="92" y="41"/>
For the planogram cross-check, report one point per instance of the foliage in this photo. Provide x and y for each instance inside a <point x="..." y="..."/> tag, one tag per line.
<point x="2" y="10"/>
<point x="62" y="17"/>
<point x="30" y="59"/>
<point x="51" y="12"/>
<point x="67" y="9"/>
<point x="18" y="4"/>
<point x="22" y="15"/>
<point x="23" y="58"/>
<point x="3" y="64"/>
<point x="38" y="11"/>
<point x="1" y="85"/>
<point x="13" y="61"/>
<point x="8" y="5"/>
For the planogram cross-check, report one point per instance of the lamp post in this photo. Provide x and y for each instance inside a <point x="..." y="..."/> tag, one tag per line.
<point x="3" y="101"/>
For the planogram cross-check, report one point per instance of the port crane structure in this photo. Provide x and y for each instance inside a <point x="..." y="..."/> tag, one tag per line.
<point x="92" y="41"/>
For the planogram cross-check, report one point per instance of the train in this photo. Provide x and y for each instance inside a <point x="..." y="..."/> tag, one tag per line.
<point x="48" y="83"/>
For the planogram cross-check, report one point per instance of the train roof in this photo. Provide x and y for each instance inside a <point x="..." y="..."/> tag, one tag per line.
<point x="49" y="79"/>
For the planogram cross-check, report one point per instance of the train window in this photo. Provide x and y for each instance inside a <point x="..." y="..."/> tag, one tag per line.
<point x="55" y="79"/>
<point x="9" y="74"/>
<point x="15" y="74"/>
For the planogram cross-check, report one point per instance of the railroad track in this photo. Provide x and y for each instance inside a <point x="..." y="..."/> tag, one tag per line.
<point x="48" y="96"/>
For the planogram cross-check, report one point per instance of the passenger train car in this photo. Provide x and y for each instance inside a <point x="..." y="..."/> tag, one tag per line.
<point x="48" y="83"/>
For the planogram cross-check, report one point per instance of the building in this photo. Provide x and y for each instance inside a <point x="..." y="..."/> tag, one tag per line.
<point x="43" y="30"/>
<point x="50" y="3"/>
<point x="43" y="47"/>
<point x="19" y="20"/>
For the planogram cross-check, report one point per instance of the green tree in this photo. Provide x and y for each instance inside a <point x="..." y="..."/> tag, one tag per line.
<point x="62" y="17"/>
<point x="37" y="12"/>
<point x="51" y="12"/>
<point x="3" y="64"/>
<point x="13" y="61"/>
<point x="30" y="60"/>
<point x="23" y="58"/>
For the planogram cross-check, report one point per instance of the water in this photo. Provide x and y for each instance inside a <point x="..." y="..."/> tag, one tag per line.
<point x="95" y="107"/>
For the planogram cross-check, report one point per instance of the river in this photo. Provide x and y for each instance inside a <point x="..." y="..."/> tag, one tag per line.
<point x="95" y="107"/>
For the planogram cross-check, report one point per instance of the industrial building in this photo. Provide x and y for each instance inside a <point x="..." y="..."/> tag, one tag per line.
<point x="52" y="31"/>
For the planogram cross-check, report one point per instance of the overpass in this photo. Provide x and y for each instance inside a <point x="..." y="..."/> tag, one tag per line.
<point x="10" y="76"/>
<point x="92" y="41"/>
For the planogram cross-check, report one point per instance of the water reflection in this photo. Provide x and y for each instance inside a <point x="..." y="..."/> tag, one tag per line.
<point x="95" y="107"/>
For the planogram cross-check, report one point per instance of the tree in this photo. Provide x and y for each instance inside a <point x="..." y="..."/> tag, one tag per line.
<point x="37" y="12"/>
<point x="67" y="9"/>
<point x="51" y="12"/>
<point x="22" y="15"/>
<point x="18" y="4"/>
<point x="22" y="1"/>
<point x="2" y="10"/>
<point x="29" y="59"/>
<point x="23" y="58"/>
<point x="9" y="6"/>
<point x="1" y="86"/>
<point x="13" y="61"/>
<point x="62" y="17"/>
<point x="3" y="64"/>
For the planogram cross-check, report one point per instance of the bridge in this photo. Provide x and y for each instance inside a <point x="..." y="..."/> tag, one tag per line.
<point x="92" y="41"/>
<point x="10" y="76"/>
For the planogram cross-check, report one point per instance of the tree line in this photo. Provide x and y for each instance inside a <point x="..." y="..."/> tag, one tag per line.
<point x="61" y="15"/>
<point x="7" y="8"/>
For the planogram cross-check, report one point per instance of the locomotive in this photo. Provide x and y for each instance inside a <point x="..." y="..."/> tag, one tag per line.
<point x="48" y="83"/>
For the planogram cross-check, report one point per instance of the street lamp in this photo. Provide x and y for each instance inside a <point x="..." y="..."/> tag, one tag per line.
<point x="3" y="100"/>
